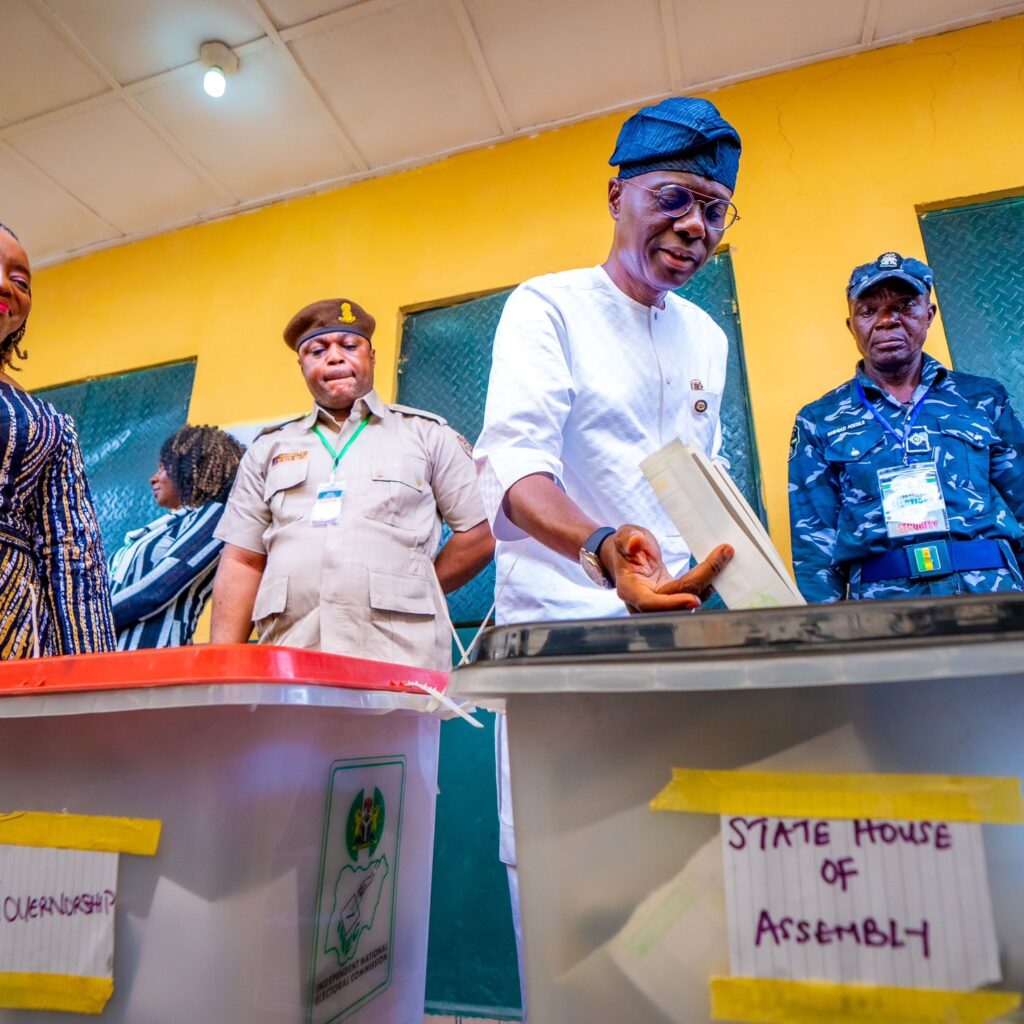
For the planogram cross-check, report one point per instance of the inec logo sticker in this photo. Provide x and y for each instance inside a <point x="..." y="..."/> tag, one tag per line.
<point x="365" y="823"/>
<point x="356" y="892"/>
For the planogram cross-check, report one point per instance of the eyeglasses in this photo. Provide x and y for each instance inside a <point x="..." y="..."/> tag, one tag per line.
<point x="675" y="201"/>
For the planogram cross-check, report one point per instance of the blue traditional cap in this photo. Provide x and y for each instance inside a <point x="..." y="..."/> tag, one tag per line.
<point x="679" y="134"/>
<point x="888" y="266"/>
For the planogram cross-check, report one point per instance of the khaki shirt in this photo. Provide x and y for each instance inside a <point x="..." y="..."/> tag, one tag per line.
<point x="365" y="585"/>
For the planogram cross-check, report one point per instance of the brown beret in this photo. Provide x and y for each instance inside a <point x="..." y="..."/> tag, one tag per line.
<point x="329" y="316"/>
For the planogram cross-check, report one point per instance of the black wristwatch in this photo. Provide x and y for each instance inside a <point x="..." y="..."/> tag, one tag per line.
<point x="590" y="563"/>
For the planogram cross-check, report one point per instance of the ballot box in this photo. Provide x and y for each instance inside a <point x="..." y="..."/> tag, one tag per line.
<point x="710" y="807"/>
<point x="271" y="813"/>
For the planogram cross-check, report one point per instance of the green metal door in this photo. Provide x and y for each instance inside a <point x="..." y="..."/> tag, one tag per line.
<point x="446" y="360"/>
<point x="122" y="421"/>
<point x="471" y="965"/>
<point x="975" y="252"/>
<point x="714" y="290"/>
<point x="444" y="365"/>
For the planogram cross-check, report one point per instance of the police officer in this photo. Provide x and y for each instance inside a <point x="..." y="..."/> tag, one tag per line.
<point x="335" y="518"/>
<point x="909" y="479"/>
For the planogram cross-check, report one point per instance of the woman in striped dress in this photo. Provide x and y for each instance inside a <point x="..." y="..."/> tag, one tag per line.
<point x="163" y="576"/>
<point x="53" y="584"/>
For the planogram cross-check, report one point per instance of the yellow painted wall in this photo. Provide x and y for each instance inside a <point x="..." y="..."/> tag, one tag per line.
<point x="836" y="156"/>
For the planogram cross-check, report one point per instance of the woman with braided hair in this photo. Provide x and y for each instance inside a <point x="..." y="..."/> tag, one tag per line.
<point x="53" y="583"/>
<point x="163" y="576"/>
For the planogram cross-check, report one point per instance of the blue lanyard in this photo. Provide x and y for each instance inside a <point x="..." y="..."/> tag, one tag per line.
<point x="908" y="424"/>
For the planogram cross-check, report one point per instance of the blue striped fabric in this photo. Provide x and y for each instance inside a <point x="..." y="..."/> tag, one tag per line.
<point x="162" y="578"/>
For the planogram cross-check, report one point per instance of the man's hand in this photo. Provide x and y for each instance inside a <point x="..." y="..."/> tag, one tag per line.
<point x="632" y="558"/>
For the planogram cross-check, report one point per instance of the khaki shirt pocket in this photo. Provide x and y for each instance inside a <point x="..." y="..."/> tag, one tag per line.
<point x="271" y="598"/>
<point x="406" y="624"/>
<point x="282" y="490"/>
<point x="397" y="484"/>
<point x="398" y="592"/>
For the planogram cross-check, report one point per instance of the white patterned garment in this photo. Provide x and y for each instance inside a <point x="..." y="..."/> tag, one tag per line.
<point x="162" y="577"/>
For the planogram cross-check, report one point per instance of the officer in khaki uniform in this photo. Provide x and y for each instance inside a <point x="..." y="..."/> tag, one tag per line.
<point x="333" y="525"/>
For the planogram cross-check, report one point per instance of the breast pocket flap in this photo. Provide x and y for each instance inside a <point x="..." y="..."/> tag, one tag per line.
<point x="285" y="475"/>
<point x="398" y="592"/>
<point x="853" y="446"/>
<point x="408" y="471"/>
<point x="976" y="438"/>
<point x="271" y="598"/>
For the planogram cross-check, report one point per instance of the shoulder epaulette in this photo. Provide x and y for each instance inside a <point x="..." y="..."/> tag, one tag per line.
<point x="408" y="410"/>
<point x="283" y="423"/>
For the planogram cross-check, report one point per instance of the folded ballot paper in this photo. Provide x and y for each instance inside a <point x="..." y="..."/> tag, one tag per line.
<point x="708" y="509"/>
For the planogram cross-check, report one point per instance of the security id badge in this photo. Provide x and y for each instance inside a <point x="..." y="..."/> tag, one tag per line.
<point x="327" y="507"/>
<point x="912" y="501"/>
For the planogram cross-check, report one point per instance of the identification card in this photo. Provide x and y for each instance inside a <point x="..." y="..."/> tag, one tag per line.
<point x="327" y="507"/>
<point x="912" y="501"/>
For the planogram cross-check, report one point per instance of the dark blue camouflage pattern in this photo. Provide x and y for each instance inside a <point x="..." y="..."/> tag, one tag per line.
<point x="890" y="266"/>
<point x="835" y="504"/>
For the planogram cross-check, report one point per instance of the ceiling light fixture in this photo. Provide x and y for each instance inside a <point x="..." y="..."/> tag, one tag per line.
<point x="220" y="61"/>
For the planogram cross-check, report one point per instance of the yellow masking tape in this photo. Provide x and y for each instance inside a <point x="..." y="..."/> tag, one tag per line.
<point x="796" y="795"/>
<point x="756" y="1000"/>
<point x="66" y="992"/>
<point x="80" y="832"/>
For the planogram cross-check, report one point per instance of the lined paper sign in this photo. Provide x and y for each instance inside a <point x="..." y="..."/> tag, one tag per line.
<point x="57" y="911"/>
<point x="58" y="885"/>
<point x="892" y="903"/>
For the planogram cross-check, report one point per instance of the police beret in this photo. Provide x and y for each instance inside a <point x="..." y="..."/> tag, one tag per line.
<point x="683" y="133"/>
<point x="329" y="316"/>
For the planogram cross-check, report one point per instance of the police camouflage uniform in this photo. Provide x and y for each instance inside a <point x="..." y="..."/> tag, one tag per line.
<point x="365" y="584"/>
<point x="971" y="431"/>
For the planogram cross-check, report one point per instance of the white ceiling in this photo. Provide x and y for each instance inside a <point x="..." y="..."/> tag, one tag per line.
<point x="107" y="136"/>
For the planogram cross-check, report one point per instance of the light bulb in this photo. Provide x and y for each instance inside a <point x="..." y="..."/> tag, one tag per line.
<point x="215" y="83"/>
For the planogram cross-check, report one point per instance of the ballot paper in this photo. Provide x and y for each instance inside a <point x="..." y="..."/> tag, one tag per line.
<point x="708" y="509"/>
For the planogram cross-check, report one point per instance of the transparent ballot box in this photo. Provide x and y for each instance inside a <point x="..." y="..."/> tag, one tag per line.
<point x="650" y="756"/>
<point x="293" y="796"/>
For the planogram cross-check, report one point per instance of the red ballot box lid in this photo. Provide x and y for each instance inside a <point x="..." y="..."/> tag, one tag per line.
<point x="210" y="664"/>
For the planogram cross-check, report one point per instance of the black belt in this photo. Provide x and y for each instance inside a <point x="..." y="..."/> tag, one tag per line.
<point x="933" y="558"/>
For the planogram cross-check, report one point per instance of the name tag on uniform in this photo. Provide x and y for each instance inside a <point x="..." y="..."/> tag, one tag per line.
<point x="912" y="501"/>
<point x="327" y="507"/>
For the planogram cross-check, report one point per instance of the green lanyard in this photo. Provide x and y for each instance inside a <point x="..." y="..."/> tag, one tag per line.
<point x="338" y="456"/>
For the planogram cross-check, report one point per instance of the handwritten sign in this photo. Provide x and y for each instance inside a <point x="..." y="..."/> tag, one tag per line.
<point x="58" y="894"/>
<point x="57" y="911"/>
<point x="893" y="903"/>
